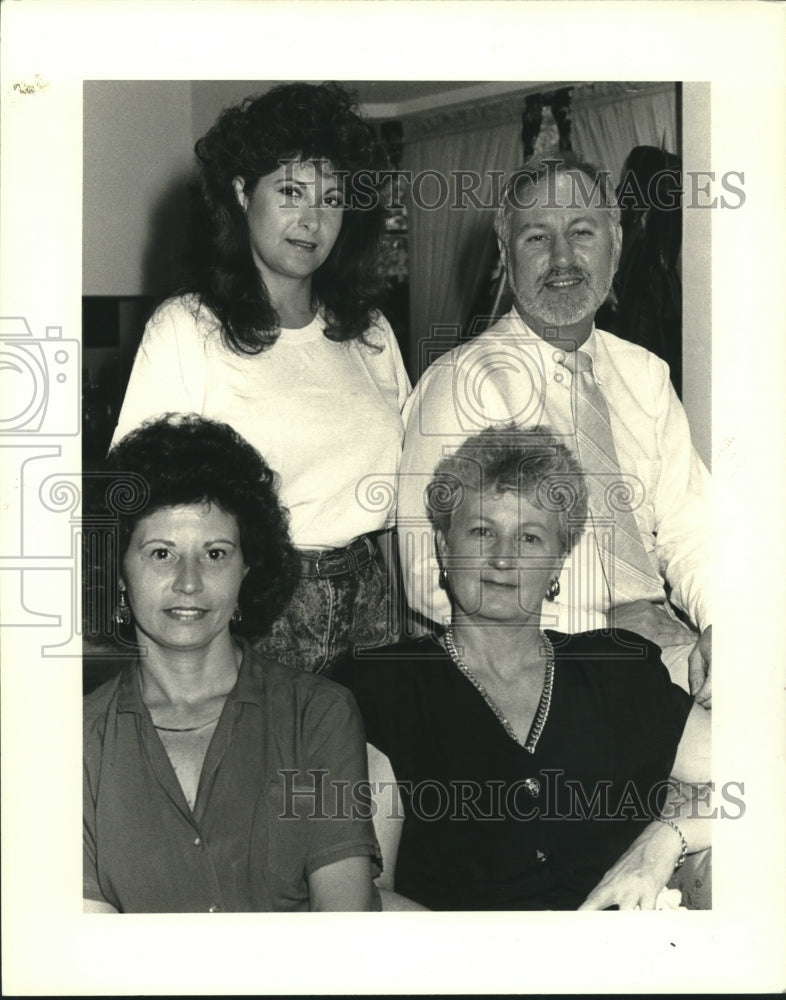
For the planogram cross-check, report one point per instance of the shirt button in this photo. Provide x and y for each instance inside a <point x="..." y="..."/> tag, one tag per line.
<point x="557" y="376"/>
<point x="197" y="841"/>
<point x="533" y="786"/>
<point x="540" y="856"/>
<point x="558" y="357"/>
<point x="214" y="908"/>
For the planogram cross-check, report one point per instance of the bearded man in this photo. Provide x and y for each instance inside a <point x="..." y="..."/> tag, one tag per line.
<point x="643" y="561"/>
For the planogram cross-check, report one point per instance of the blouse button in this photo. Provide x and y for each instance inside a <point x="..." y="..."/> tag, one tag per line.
<point x="214" y="908"/>
<point x="197" y="841"/>
<point x="540" y="856"/>
<point x="558" y="376"/>
<point x="533" y="786"/>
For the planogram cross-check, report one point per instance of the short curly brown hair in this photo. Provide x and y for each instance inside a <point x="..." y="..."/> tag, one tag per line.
<point x="178" y="460"/>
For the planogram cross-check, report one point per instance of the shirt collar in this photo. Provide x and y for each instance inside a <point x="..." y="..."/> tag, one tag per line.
<point x="251" y="670"/>
<point x="246" y="687"/>
<point x="551" y="357"/>
<point x="129" y="696"/>
<point x="590" y="346"/>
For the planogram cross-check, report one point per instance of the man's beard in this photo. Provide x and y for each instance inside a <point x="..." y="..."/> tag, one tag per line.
<point x="554" y="308"/>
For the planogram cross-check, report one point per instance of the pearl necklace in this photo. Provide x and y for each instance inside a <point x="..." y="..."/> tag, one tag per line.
<point x="545" y="698"/>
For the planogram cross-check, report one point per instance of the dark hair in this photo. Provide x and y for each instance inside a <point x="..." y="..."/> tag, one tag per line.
<point x="291" y="122"/>
<point x="177" y="460"/>
<point x="528" y="461"/>
<point x="544" y="165"/>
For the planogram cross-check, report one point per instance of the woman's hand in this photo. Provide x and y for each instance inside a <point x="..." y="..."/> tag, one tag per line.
<point x="643" y="870"/>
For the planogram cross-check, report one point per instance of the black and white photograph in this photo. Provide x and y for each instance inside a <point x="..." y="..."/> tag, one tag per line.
<point x="381" y="476"/>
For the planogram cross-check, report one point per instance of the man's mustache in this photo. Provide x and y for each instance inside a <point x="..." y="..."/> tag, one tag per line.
<point x="557" y="274"/>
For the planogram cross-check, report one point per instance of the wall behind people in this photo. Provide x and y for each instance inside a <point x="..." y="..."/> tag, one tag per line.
<point x="138" y="174"/>
<point x="137" y="163"/>
<point x="137" y="160"/>
<point x="697" y="275"/>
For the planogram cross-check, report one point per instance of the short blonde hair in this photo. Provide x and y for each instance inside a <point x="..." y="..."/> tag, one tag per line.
<point x="530" y="461"/>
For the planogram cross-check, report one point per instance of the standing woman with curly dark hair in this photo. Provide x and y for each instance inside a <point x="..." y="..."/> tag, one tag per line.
<point x="280" y="338"/>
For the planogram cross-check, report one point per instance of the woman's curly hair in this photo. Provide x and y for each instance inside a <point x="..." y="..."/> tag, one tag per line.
<point x="530" y="461"/>
<point x="177" y="460"/>
<point x="292" y="122"/>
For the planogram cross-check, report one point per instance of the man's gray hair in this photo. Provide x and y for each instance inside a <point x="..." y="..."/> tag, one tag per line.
<point x="599" y="193"/>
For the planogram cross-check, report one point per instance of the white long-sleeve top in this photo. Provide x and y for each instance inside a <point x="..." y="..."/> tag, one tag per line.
<point x="326" y="416"/>
<point x="509" y="373"/>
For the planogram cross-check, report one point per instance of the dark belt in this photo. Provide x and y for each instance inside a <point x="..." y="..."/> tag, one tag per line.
<point x="335" y="562"/>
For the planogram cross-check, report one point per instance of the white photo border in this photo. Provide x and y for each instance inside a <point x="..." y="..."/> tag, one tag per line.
<point x="48" y="50"/>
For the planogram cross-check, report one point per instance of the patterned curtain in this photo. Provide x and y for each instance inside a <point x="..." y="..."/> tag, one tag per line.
<point x="610" y="119"/>
<point x="631" y="129"/>
<point x="455" y="284"/>
<point x="452" y="246"/>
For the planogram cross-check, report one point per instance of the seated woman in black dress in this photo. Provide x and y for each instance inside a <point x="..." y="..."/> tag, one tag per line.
<point x="532" y="767"/>
<point x="201" y="759"/>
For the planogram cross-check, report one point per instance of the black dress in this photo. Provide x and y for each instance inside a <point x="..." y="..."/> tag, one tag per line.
<point x="491" y="826"/>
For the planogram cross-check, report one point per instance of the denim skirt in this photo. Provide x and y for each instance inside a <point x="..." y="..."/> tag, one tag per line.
<point x="333" y="616"/>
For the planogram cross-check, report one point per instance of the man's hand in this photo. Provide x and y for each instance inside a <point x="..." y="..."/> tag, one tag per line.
<point x="652" y="621"/>
<point x="700" y="669"/>
<point x="634" y="882"/>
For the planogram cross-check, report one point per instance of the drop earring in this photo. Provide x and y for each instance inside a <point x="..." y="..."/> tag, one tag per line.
<point x="122" y="613"/>
<point x="552" y="591"/>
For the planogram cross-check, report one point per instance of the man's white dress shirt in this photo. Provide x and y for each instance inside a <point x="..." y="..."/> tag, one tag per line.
<point x="509" y="373"/>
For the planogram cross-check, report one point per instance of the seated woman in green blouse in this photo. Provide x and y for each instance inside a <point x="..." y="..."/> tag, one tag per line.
<point x="204" y="762"/>
<point x="515" y="767"/>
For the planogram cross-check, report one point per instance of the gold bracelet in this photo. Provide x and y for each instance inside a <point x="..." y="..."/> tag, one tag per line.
<point x="676" y="829"/>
